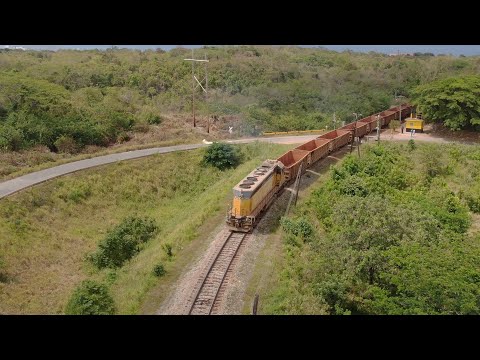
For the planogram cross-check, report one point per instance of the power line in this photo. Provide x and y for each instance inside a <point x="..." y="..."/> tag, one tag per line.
<point x="199" y="83"/>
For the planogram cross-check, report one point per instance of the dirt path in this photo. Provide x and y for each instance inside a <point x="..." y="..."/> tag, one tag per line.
<point x="429" y="136"/>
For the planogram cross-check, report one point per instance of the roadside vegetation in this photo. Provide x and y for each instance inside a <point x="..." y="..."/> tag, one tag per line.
<point x="454" y="102"/>
<point x="133" y="219"/>
<point x="394" y="232"/>
<point x="222" y="156"/>
<point x="69" y="102"/>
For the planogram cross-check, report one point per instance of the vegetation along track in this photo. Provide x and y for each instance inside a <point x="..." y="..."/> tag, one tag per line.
<point x="213" y="284"/>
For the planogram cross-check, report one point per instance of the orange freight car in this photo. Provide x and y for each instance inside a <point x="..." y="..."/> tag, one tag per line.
<point x="318" y="149"/>
<point x="359" y="129"/>
<point x="292" y="160"/>
<point x="338" y="138"/>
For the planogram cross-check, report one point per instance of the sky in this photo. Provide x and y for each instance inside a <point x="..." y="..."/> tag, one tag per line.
<point x="456" y="50"/>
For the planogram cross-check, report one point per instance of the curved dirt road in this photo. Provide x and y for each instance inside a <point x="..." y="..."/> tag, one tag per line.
<point x="22" y="182"/>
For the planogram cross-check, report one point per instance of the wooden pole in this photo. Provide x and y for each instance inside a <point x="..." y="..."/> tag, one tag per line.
<point x="298" y="183"/>
<point x="206" y="95"/>
<point x="255" y="305"/>
<point x="193" y="92"/>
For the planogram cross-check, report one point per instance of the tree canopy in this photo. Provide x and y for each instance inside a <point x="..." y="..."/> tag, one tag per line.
<point x="388" y="233"/>
<point x="94" y="97"/>
<point x="453" y="101"/>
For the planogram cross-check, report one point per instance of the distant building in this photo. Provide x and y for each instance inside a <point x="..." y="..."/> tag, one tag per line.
<point x="402" y="54"/>
<point x="7" y="47"/>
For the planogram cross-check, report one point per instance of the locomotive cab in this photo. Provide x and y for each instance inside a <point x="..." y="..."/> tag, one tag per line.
<point x="253" y="194"/>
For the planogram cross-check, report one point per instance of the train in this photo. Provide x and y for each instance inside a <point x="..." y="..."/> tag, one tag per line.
<point x="256" y="192"/>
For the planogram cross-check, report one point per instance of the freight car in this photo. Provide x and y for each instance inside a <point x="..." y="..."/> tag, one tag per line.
<point x="357" y="128"/>
<point x="292" y="161"/>
<point x="338" y="138"/>
<point x="318" y="148"/>
<point x="253" y="195"/>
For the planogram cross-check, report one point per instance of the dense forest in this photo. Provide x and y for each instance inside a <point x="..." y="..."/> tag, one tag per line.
<point x="68" y="99"/>
<point x="392" y="232"/>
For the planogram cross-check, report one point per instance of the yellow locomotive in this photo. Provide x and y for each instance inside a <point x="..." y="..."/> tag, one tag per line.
<point x="254" y="194"/>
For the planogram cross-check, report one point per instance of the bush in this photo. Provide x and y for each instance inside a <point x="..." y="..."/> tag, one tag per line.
<point x="123" y="137"/>
<point x="411" y="145"/>
<point x="66" y="144"/>
<point x="221" y="156"/>
<point x="3" y="275"/>
<point x="153" y="119"/>
<point x="123" y="242"/>
<point x="11" y="139"/>
<point x="90" y="298"/>
<point x="168" y="250"/>
<point x="159" y="270"/>
<point x="77" y="193"/>
<point x="473" y="202"/>
<point x="300" y="227"/>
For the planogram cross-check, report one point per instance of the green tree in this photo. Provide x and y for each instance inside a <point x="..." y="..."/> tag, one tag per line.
<point x="455" y="101"/>
<point x="123" y="242"/>
<point x="90" y="298"/>
<point x="221" y="155"/>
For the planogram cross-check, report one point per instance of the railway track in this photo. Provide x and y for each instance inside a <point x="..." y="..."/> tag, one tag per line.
<point x="213" y="284"/>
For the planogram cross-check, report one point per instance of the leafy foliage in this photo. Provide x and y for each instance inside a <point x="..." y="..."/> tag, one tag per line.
<point x="123" y="242"/>
<point x="222" y="156"/>
<point x="300" y="227"/>
<point x="159" y="270"/>
<point x="453" y="101"/>
<point x="94" y="97"/>
<point x="90" y="298"/>
<point x="66" y="144"/>
<point x="392" y="236"/>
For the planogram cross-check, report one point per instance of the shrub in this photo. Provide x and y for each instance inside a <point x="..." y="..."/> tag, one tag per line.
<point x="153" y="119"/>
<point x="159" y="270"/>
<point x="123" y="242"/>
<point x="141" y="127"/>
<point x="168" y="250"/>
<point x="66" y="144"/>
<point x="77" y="193"/>
<point x="473" y="201"/>
<point x="11" y="139"/>
<point x="411" y="145"/>
<point x="221" y="156"/>
<point x="3" y="275"/>
<point x="123" y="137"/>
<point x="90" y="298"/>
<point x="300" y="227"/>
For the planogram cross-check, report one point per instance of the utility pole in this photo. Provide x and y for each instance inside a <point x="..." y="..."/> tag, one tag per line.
<point x="334" y="121"/>
<point x="298" y="183"/>
<point x="206" y="95"/>
<point x="399" y="97"/>
<point x="355" y="135"/>
<point x="194" y="78"/>
<point x="255" y="305"/>
<point x="296" y="186"/>
<point x="378" y="129"/>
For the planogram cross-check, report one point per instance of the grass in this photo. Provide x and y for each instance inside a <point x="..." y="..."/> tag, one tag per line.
<point x="46" y="231"/>
<point x="15" y="164"/>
